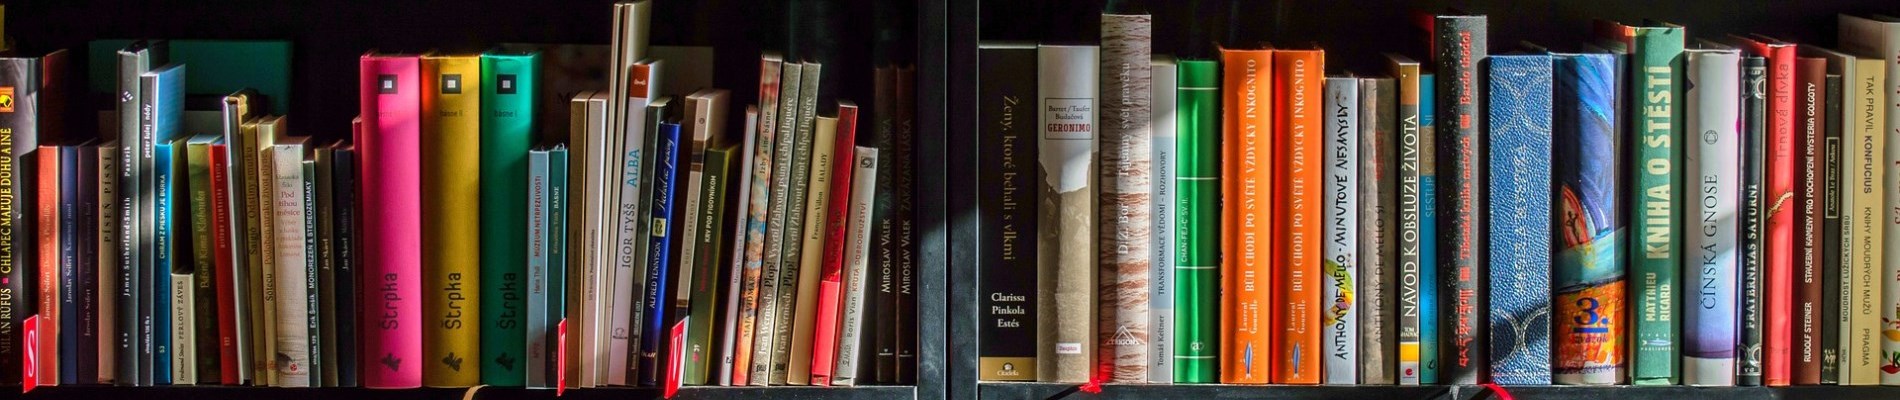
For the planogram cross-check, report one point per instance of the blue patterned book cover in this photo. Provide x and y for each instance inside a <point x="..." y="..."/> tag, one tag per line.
<point x="1590" y="289"/>
<point x="1428" y="235"/>
<point x="665" y="170"/>
<point x="1519" y="122"/>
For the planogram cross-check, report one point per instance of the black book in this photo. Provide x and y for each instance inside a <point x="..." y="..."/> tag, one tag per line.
<point x="68" y="264"/>
<point x="1460" y="43"/>
<point x="883" y="309"/>
<point x="1754" y="165"/>
<point x="343" y="198"/>
<point x="87" y="233"/>
<point x="1832" y="268"/>
<point x="326" y="265"/>
<point x="1007" y="212"/>
<point x="905" y="240"/>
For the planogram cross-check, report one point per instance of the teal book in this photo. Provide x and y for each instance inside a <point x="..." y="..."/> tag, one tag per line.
<point x="557" y="258"/>
<point x="1198" y="219"/>
<point x="167" y="175"/>
<point x="1428" y="234"/>
<point x="508" y="83"/>
<point x="218" y="67"/>
<point x="1655" y="64"/>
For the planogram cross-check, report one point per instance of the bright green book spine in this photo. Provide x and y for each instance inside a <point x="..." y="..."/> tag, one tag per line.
<point x="1656" y="63"/>
<point x="508" y="83"/>
<point x="1197" y="262"/>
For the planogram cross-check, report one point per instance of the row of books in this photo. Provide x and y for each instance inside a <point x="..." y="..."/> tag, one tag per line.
<point x="1652" y="209"/>
<point x="664" y="239"/>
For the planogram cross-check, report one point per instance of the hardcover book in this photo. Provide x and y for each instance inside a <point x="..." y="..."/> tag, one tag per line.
<point x="1162" y="247"/>
<point x="1460" y="48"/>
<point x="391" y="232"/>
<point x="1197" y="230"/>
<point x="264" y="276"/>
<point x="235" y="325"/>
<point x="1591" y="295"/>
<point x="1125" y="196"/>
<point x="1779" y="222"/>
<point x="1065" y="245"/>
<point x="1863" y="123"/>
<point x="451" y="238"/>
<point x="1378" y="233"/>
<point x="106" y="258"/>
<point x="348" y="240"/>
<point x="1298" y="165"/>
<point x="1878" y="37"/>
<point x="1810" y="92"/>
<point x="1753" y="238"/>
<point x="1412" y="157"/>
<point x="1339" y="318"/>
<point x="1713" y="78"/>
<point x="1520" y="181"/>
<point x="1654" y="65"/>
<point x="904" y="248"/>
<point x="321" y="184"/>
<point x="507" y="85"/>
<point x="162" y="115"/>
<point x="1006" y="247"/>
<point x="1246" y="232"/>
<point x="223" y="249"/>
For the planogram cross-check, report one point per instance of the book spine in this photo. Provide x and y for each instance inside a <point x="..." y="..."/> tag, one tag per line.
<point x="44" y="340"/>
<point x="1809" y="106"/>
<point x="825" y="335"/>
<point x="1864" y="219"/>
<point x="620" y="288"/>
<point x="1339" y="324"/>
<point x="857" y="260"/>
<point x="1834" y="310"/>
<point x="1711" y="115"/>
<point x="1412" y="152"/>
<point x="729" y="368"/>
<point x="451" y="237"/>
<point x="68" y="292"/>
<point x="590" y="273"/>
<point x="131" y="62"/>
<point x="21" y="137"/>
<point x="1126" y="198"/>
<point x="1460" y="46"/>
<point x="1779" y="223"/>
<point x="106" y="255"/>
<point x="311" y="278"/>
<point x="1430" y="308"/>
<point x="162" y="336"/>
<point x="1520" y="227"/>
<point x="1753" y="239"/>
<point x="204" y="305"/>
<point x="650" y="325"/>
<point x="714" y="244"/>
<point x="660" y="259"/>
<point x="787" y="350"/>
<point x="535" y="353"/>
<point x="1889" y="50"/>
<point x="222" y="248"/>
<point x="181" y="303"/>
<point x="507" y="129"/>
<point x="558" y="278"/>
<point x="349" y="257"/>
<point x="1007" y="250"/>
<point x="1066" y="236"/>
<point x="265" y="280"/>
<point x="164" y="99"/>
<point x="293" y="339"/>
<point x="1656" y="122"/>
<point x="1245" y="231"/>
<point x="1377" y="245"/>
<point x="769" y="317"/>
<point x="811" y="265"/>
<point x="1163" y="249"/>
<point x="906" y="248"/>
<point x="86" y="334"/>
<point x="236" y="112"/>
<point x="753" y="353"/>
<point x="1299" y="161"/>
<point x="391" y="231"/>
<point x="1197" y="229"/>
<point x="884" y="260"/>
<point x="323" y="233"/>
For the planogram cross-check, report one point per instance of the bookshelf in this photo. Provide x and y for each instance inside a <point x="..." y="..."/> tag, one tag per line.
<point x="328" y="37"/>
<point x="1353" y="33"/>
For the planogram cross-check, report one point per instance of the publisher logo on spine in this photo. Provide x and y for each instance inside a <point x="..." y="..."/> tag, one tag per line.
<point x="6" y="99"/>
<point x="386" y="84"/>
<point x="451" y="83"/>
<point x="505" y="84"/>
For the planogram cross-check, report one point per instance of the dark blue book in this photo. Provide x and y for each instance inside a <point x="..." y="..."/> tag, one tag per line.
<point x="88" y="312"/>
<point x="161" y="120"/>
<point x="160" y="335"/>
<point x="1519" y="122"/>
<point x="68" y="264"/>
<point x="660" y="259"/>
<point x="347" y="260"/>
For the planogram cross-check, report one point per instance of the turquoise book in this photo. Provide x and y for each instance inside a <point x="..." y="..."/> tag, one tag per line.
<point x="508" y="83"/>
<point x="1428" y="235"/>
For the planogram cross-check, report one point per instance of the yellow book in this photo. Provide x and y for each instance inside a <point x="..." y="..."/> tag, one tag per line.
<point x="268" y="130"/>
<point x="451" y="212"/>
<point x="817" y="202"/>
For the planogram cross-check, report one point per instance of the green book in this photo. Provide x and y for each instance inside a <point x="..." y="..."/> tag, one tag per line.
<point x="703" y="308"/>
<point x="1197" y="185"/>
<point x="1654" y="57"/>
<point x="507" y="132"/>
<point x="203" y="259"/>
<point x="557" y="245"/>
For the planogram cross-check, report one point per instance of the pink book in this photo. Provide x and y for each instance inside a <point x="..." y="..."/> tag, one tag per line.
<point x="830" y="288"/>
<point x="392" y="225"/>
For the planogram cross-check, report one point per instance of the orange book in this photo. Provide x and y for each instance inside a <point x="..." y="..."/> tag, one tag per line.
<point x="1298" y="158"/>
<point x="48" y="344"/>
<point x="1246" y="199"/>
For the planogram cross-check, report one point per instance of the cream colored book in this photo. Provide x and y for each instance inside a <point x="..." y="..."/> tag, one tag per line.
<point x="811" y="259"/>
<point x="287" y="198"/>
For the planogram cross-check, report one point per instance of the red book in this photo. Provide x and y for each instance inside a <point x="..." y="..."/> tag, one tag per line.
<point x="48" y="311"/>
<point x="221" y="251"/>
<point x="1781" y="253"/>
<point x="831" y="286"/>
<point x="389" y="145"/>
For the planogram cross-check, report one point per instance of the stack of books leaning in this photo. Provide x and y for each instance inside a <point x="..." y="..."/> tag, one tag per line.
<point x="1649" y="209"/>
<point x="661" y="236"/>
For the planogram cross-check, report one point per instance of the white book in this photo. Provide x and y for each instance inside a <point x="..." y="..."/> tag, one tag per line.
<point x="735" y="273"/>
<point x="1879" y="37"/>
<point x="585" y="321"/>
<point x="1711" y="168"/>
<point x="857" y="266"/>
<point x="537" y="321"/>
<point x="287" y="198"/>
<point x="184" y="343"/>
<point x="629" y="244"/>
<point x="1161" y="279"/>
<point x="1340" y="320"/>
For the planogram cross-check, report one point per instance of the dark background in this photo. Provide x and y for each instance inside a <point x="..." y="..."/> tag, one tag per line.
<point x="327" y="37"/>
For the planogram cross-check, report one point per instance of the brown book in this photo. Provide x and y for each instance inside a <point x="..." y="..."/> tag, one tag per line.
<point x="1810" y="131"/>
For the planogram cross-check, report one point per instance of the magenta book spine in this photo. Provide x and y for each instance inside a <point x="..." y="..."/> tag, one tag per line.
<point x="392" y="234"/>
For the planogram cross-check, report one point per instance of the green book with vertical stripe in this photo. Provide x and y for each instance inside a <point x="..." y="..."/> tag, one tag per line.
<point x="507" y="126"/>
<point x="1655" y="61"/>
<point x="1197" y="263"/>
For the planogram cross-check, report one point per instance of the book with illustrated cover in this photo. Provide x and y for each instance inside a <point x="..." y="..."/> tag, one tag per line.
<point x="1065" y="246"/>
<point x="508" y="85"/>
<point x="1006" y="247"/>
<point x="1378" y="233"/>
<point x="771" y="270"/>
<point x="1197" y="232"/>
<point x="1878" y="37"/>
<point x="19" y="129"/>
<point x="1711" y="161"/>
<point x="1126" y="199"/>
<point x="451" y="217"/>
<point x="1459" y="45"/>
<point x="1754" y="214"/>
<point x="391" y="233"/>
<point x="1246" y="232"/>
<point x="739" y="232"/>
<point x="1339" y="318"/>
<point x="1519" y="122"/>
<point x="1862" y="126"/>
<point x="857" y="270"/>
<point x="760" y="203"/>
<point x="1162" y="241"/>
<point x="1298" y="164"/>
